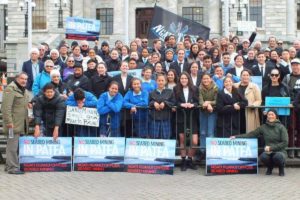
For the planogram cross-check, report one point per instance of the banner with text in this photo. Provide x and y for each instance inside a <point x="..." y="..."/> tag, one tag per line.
<point x="99" y="154"/>
<point x="78" y="28"/>
<point x="149" y="156"/>
<point x="82" y="116"/>
<point x="226" y="156"/>
<point x="166" y="23"/>
<point x="43" y="154"/>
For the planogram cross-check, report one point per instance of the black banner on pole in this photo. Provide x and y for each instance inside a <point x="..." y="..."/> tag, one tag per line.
<point x="166" y="23"/>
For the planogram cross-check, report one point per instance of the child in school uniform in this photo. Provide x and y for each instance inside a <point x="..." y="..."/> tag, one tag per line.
<point x="136" y="100"/>
<point x="109" y="106"/>
<point x="148" y="84"/>
<point x="187" y="98"/>
<point x="161" y="102"/>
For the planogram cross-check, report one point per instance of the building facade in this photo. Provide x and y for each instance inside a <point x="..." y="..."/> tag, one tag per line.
<point x="127" y="19"/>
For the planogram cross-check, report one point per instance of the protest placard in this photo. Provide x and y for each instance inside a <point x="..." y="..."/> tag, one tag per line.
<point x="226" y="156"/>
<point x="43" y="154"/>
<point x="82" y="116"/>
<point x="149" y="156"/>
<point x="99" y="154"/>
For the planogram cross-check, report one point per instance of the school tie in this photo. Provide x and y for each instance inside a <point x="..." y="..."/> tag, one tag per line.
<point x="180" y="65"/>
<point x="262" y="70"/>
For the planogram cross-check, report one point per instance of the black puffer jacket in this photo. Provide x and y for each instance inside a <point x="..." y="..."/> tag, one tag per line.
<point x="50" y="111"/>
<point x="100" y="84"/>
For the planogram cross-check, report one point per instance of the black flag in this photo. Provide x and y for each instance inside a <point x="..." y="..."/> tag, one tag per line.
<point x="166" y="23"/>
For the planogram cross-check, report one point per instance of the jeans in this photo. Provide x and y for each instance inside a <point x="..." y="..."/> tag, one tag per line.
<point x="207" y="126"/>
<point x="272" y="159"/>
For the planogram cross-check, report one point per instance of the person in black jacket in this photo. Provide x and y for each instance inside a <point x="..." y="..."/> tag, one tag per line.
<point x="123" y="79"/>
<point x="78" y="79"/>
<point x="113" y="63"/>
<point x="91" y="68"/>
<point x="229" y="104"/>
<point x="101" y="80"/>
<point x="187" y="98"/>
<point x="49" y="111"/>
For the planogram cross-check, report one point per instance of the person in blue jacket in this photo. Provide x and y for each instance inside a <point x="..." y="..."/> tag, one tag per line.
<point x="80" y="99"/>
<point x="43" y="78"/>
<point x="109" y="107"/>
<point x="148" y="84"/>
<point x="136" y="100"/>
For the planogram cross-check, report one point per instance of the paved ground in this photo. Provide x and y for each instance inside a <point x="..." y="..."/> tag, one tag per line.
<point x="188" y="185"/>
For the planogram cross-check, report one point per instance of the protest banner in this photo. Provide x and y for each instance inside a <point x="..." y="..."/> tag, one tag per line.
<point x="99" y="154"/>
<point x="78" y="28"/>
<point x="82" y="116"/>
<point x="149" y="156"/>
<point x="166" y="23"/>
<point x="43" y="154"/>
<point x="137" y="73"/>
<point x="226" y="156"/>
<point x="279" y="101"/>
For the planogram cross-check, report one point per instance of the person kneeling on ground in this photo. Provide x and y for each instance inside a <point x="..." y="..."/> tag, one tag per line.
<point x="276" y="139"/>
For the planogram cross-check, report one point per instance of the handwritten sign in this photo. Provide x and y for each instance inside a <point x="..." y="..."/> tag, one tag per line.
<point x="43" y="154"/>
<point x="226" y="156"/>
<point x="246" y="25"/>
<point x="84" y="116"/>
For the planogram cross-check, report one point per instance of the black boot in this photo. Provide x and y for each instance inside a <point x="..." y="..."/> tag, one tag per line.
<point x="191" y="165"/>
<point x="281" y="171"/>
<point x="183" y="166"/>
<point x="269" y="170"/>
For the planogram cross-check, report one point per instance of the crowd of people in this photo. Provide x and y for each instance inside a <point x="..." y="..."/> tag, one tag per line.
<point x="203" y="87"/>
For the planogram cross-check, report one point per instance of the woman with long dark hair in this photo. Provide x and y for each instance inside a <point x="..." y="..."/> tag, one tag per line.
<point x="187" y="98"/>
<point x="193" y="56"/>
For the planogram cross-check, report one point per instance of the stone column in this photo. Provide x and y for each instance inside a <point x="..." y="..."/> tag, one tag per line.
<point x="291" y="19"/>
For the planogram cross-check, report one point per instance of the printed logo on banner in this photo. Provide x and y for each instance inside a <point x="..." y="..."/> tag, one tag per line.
<point x="137" y="73"/>
<point x="149" y="156"/>
<point x="43" y="154"/>
<point x="226" y="156"/>
<point x="99" y="154"/>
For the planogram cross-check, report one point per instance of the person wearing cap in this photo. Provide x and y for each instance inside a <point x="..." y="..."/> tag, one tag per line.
<point x="78" y="79"/>
<point x="32" y="67"/>
<point x="91" y="68"/>
<point x="104" y="51"/>
<point x="240" y="46"/>
<point x="276" y="140"/>
<point x="245" y="47"/>
<point x="267" y="53"/>
<point x="43" y="78"/>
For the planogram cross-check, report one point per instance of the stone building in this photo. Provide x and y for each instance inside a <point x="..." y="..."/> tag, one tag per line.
<point x="279" y="18"/>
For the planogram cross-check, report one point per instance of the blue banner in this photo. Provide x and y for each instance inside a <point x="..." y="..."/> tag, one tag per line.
<point x="78" y="28"/>
<point x="257" y="80"/>
<point x="166" y="23"/>
<point x="149" y="156"/>
<point x="99" y="154"/>
<point x="279" y="101"/>
<point x="43" y="154"/>
<point x="226" y="156"/>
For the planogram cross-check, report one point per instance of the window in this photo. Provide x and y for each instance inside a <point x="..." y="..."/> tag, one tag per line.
<point x="39" y="19"/>
<point x="105" y="15"/>
<point x="256" y="11"/>
<point x="193" y="13"/>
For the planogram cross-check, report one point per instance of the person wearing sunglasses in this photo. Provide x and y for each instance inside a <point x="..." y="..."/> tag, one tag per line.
<point x="43" y="78"/>
<point x="275" y="88"/>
